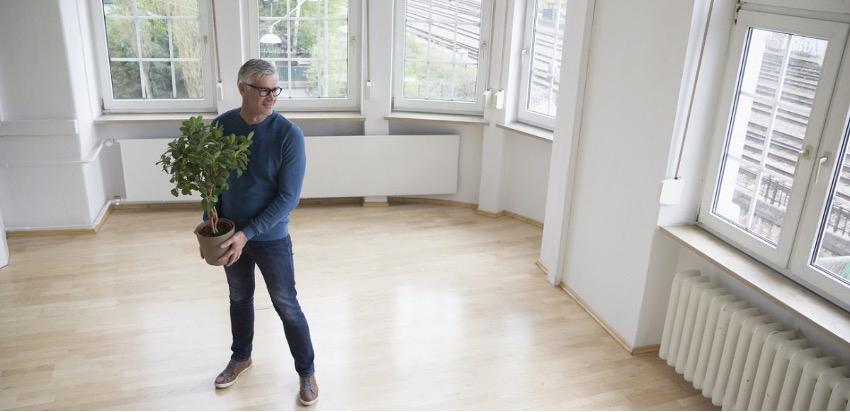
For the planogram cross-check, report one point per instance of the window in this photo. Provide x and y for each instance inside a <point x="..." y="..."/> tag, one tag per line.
<point x="155" y="55"/>
<point x="313" y="45"/>
<point x="771" y="191"/>
<point x="541" y="62"/>
<point x="439" y="55"/>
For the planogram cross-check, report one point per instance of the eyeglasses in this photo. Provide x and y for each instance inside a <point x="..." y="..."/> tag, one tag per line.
<point x="264" y="91"/>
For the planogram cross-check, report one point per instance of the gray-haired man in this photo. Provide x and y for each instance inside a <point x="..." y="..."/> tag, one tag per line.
<point x="259" y="201"/>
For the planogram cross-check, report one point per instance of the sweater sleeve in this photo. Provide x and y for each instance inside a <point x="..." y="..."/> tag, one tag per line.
<point x="290" y="177"/>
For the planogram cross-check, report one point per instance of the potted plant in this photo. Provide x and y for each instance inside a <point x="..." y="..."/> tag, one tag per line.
<point x="201" y="160"/>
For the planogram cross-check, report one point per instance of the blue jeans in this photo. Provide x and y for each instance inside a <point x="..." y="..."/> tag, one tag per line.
<point x="274" y="258"/>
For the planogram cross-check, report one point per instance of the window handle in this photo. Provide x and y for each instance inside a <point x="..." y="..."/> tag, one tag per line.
<point x="821" y="161"/>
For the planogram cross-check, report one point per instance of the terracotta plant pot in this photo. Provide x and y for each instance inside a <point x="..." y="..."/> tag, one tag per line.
<point x="210" y="245"/>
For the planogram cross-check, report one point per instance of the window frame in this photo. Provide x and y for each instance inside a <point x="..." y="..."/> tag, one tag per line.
<point x="350" y="103"/>
<point x="523" y="114"/>
<point x="808" y="193"/>
<point x="835" y="132"/>
<point x="400" y="103"/>
<point x="112" y="105"/>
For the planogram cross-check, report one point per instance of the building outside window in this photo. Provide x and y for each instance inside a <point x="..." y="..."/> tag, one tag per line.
<point x="440" y="55"/>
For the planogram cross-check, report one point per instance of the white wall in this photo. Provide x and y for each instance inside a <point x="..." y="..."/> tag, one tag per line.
<point x="525" y="173"/>
<point x="36" y="79"/>
<point x="46" y="129"/>
<point x="694" y="147"/>
<point x="564" y="148"/>
<point x="635" y="65"/>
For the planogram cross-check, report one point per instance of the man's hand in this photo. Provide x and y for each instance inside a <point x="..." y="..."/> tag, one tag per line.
<point x="234" y="244"/>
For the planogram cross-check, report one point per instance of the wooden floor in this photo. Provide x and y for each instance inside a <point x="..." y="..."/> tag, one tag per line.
<point x="411" y="307"/>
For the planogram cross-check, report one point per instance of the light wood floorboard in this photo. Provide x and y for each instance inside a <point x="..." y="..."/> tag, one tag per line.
<point x="411" y="307"/>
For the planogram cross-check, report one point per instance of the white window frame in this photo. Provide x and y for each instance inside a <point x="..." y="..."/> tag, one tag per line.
<point x="350" y="103"/>
<point x="803" y="213"/>
<point x="523" y="114"/>
<point x="112" y="105"/>
<point x="401" y="103"/>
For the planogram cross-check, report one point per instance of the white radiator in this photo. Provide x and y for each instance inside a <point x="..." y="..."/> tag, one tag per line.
<point x="741" y="359"/>
<point x="337" y="166"/>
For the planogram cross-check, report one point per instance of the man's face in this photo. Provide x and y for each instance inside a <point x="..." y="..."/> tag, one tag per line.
<point x="252" y="100"/>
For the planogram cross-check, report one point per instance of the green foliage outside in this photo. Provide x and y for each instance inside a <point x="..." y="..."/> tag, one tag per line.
<point x="202" y="159"/>
<point x="154" y="34"/>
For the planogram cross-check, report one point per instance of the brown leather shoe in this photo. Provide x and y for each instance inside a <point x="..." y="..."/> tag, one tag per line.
<point x="230" y="373"/>
<point x="309" y="392"/>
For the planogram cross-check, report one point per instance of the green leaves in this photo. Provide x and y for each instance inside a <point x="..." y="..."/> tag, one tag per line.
<point x="202" y="159"/>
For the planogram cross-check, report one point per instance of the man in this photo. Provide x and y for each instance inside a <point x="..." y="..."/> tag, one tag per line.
<point x="259" y="201"/>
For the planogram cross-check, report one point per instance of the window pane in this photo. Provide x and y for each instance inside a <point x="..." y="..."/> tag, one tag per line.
<point x="440" y="82"/>
<point x="270" y="8"/>
<point x="442" y="39"/>
<point x="765" y="139"/>
<point x="189" y="80"/>
<point x="121" y="35"/>
<point x="414" y="73"/>
<point x="416" y="40"/>
<point x="158" y="79"/>
<point x="832" y="253"/>
<point x="113" y="8"/>
<point x="542" y="82"/>
<point x="155" y="38"/>
<point x="274" y="42"/>
<point x="303" y="84"/>
<point x="282" y="67"/>
<point x="338" y="9"/>
<point x="300" y="9"/>
<point x="337" y="85"/>
<point x="151" y="7"/>
<point x="308" y="40"/>
<point x="185" y="38"/>
<point x="465" y="78"/>
<point x="547" y="43"/>
<point x="467" y="44"/>
<point x="126" y="83"/>
<point x="184" y="7"/>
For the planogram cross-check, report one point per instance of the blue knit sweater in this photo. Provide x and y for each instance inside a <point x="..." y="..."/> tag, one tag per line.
<point x="260" y="200"/>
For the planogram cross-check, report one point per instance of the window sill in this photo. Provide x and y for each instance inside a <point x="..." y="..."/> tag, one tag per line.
<point x="763" y="279"/>
<point x="149" y="117"/>
<point x="324" y="116"/>
<point x="179" y="117"/>
<point x="449" y="118"/>
<point x="528" y="130"/>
